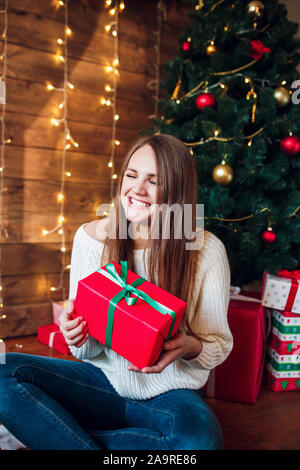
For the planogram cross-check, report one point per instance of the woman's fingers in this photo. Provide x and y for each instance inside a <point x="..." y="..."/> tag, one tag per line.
<point x="77" y="345"/>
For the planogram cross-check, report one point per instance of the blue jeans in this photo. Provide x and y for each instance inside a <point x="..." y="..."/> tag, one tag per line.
<point x="56" y="404"/>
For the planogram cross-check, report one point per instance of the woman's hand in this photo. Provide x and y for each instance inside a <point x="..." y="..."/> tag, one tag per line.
<point x="75" y="331"/>
<point x="181" y="345"/>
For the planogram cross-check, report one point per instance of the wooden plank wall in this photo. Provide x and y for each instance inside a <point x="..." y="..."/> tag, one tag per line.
<point x="31" y="263"/>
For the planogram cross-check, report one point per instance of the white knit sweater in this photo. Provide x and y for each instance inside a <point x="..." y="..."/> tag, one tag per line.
<point x="208" y="308"/>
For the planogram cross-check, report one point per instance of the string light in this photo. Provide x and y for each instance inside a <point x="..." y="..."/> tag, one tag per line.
<point x="154" y="84"/>
<point x="113" y="27"/>
<point x="68" y="142"/>
<point x="4" y="141"/>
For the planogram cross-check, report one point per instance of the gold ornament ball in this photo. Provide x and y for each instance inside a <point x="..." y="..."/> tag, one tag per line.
<point x="257" y="8"/>
<point x="282" y="96"/>
<point x="211" y="49"/>
<point x="223" y="174"/>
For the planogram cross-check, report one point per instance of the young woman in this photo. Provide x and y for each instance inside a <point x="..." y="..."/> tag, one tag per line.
<point x="103" y="401"/>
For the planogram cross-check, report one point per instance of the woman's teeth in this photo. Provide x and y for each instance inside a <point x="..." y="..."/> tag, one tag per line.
<point x="134" y="202"/>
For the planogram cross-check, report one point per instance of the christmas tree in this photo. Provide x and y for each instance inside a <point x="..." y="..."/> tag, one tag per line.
<point x="231" y="96"/>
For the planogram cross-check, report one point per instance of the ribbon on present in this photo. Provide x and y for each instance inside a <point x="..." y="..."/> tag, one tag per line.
<point x="51" y="338"/>
<point x="127" y="289"/>
<point x="294" y="276"/>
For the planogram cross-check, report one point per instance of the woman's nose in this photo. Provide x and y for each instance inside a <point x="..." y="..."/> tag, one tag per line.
<point x="139" y="187"/>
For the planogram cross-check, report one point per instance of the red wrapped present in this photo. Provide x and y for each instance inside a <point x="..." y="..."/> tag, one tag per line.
<point x="53" y="337"/>
<point x="282" y="381"/>
<point x="287" y="346"/>
<point x="282" y="292"/>
<point x="239" y="377"/>
<point x="57" y="309"/>
<point x="134" y="327"/>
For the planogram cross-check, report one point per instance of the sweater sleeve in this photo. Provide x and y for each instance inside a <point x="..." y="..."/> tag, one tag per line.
<point x="210" y="321"/>
<point x="91" y="347"/>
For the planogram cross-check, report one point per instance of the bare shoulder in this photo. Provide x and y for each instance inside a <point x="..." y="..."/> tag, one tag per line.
<point x="97" y="229"/>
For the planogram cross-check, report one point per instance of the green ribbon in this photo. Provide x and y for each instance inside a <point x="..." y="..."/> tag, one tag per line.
<point x="128" y="289"/>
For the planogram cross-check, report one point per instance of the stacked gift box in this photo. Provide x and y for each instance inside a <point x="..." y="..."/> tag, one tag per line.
<point x="281" y="294"/>
<point x="51" y="334"/>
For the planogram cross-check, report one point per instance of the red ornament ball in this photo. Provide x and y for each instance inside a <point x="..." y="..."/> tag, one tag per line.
<point x="186" y="45"/>
<point x="290" y="145"/>
<point x="205" y="100"/>
<point x="268" y="236"/>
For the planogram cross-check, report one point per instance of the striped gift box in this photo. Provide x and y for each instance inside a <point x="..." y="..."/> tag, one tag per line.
<point x="283" y="344"/>
<point x="285" y="325"/>
<point x="282" y="381"/>
<point x="286" y="362"/>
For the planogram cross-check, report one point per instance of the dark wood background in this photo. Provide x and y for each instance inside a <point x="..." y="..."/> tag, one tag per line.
<point x="31" y="262"/>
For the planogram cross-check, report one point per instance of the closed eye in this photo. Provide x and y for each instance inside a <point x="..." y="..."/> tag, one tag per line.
<point x="132" y="176"/>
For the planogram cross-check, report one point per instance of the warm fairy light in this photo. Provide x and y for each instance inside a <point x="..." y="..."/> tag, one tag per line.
<point x="217" y="133"/>
<point x="122" y="6"/>
<point x="71" y="86"/>
<point x="108" y="3"/>
<point x="108" y="88"/>
<point x="116" y="62"/>
<point x="61" y="219"/>
<point x="108" y="102"/>
<point x="63" y="248"/>
<point x="247" y="80"/>
<point x="284" y="82"/>
<point x="1" y="169"/>
<point x="107" y="27"/>
<point x="115" y="176"/>
<point x="116" y="117"/>
<point x="60" y="232"/>
<point x="68" y="32"/>
<point x="103" y="101"/>
<point x="53" y="289"/>
<point x="109" y="68"/>
<point x="76" y="144"/>
<point x="45" y="232"/>
<point x="55" y="122"/>
<point x="68" y="146"/>
<point x="60" y="41"/>
<point x="59" y="58"/>
<point x="7" y="141"/>
<point x="60" y="3"/>
<point x="61" y="105"/>
<point x="3" y="317"/>
<point x="112" y="11"/>
<point x="50" y="87"/>
<point x="60" y="197"/>
<point x="110" y="164"/>
<point x="105" y="213"/>
<point x="117" y="142"/>
<point x="114" y="33"/>
<point x="1" y="288"/>
<point x="222" y="85"/>
<point x="68" y="173"/>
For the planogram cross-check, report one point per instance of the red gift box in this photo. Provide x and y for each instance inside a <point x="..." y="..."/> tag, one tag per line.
<point x="284" y="347"/>
<point x="53" y="337"/>
<point x="239" y="377"/>
<point x="282" y="381"/>
<point x="133" y="327"/>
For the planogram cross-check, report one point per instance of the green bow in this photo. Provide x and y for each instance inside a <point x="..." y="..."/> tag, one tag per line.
<point x="127" y="289"/>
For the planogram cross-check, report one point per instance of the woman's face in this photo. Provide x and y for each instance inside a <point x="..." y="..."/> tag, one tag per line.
<point x="139" y="186"/>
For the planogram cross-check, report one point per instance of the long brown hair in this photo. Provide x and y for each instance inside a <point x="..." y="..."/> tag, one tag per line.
<point x="169" y="260"/>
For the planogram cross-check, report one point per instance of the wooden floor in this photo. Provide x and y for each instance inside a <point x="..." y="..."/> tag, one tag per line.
<point x="273" y="423"/>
